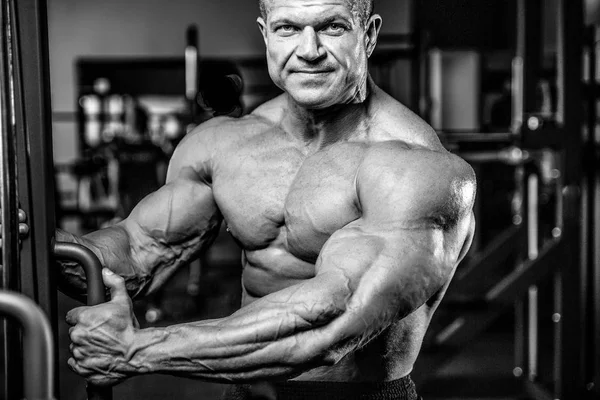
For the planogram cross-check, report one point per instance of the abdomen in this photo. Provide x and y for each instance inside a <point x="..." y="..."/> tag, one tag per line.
<point x="272" y="269"/>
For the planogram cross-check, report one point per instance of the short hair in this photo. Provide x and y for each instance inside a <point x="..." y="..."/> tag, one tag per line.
<point x="361" y="8"/>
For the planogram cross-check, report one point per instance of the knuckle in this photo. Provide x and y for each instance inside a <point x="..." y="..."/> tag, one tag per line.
<point x="77" y="336"/>
<point x="78" y="354"/>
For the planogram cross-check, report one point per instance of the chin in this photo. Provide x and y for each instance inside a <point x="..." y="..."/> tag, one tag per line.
<point x="313" y="99"/>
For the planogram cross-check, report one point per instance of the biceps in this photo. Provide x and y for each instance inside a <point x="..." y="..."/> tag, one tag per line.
<point x="176" y="212"/>
<point x="389" y="274"/>
<point x="172" y="224"/>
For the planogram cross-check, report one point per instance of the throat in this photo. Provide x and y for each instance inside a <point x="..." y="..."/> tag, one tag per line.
<point x="316" y="129"/>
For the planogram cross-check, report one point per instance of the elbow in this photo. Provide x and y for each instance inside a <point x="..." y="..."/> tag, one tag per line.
<point x="324" y="347"/>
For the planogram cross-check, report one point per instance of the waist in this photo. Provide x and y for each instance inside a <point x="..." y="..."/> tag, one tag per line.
<point x="399" y="389"/>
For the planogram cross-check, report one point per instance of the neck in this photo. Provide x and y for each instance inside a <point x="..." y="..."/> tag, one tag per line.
<point x="317" y="128"/>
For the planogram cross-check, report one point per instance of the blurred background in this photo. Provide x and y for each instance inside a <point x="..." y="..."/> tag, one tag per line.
<point x="130" y="78"/>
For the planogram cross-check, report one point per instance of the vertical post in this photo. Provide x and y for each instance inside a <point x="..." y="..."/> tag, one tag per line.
<point x="12" y="360"/>
<point x="591" y="215"/>
<point x="526" y="65"/>
<point x="417" y="57"/>
<point x="532" y="254"/>
<point x="570" y="339"/>
<point x="34" y="155"/>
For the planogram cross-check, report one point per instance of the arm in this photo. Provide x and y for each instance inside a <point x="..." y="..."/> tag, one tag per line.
<point x="166" y="229"/>
<point x="416" y="225"/>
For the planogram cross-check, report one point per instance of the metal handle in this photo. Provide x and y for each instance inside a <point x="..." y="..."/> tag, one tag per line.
<point x="95" y="291"/>
<point x="38" y="368"/>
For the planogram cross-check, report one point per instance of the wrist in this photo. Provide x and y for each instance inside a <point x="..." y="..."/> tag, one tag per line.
<point x="143" y="356"/>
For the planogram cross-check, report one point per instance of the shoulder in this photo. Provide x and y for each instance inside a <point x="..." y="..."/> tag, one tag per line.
<point x="200" y="147"/>
<point x="272" y="111"/>
<point x="416" y="183"/>
<point x="400" y="123"/>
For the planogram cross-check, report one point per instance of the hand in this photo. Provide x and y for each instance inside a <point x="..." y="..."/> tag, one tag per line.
<point x="103" y="335"/>
<point x="23" y="227"/>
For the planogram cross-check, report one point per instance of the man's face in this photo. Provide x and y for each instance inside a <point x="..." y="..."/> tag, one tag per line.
<point x="317" y="50"/>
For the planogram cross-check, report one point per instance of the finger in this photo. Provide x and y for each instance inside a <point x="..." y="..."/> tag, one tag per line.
<point x="78" y="337"/>
<point x="78" y="354"/>
<point x="116" y="284"/>
<point x="72" y="317"/>
<point x="78" y="369"/>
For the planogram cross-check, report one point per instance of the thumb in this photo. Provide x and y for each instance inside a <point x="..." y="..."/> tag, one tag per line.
<point x="116" y="284"/>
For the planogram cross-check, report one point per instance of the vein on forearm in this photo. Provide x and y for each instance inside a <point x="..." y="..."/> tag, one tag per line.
<point x="274" y="338"/>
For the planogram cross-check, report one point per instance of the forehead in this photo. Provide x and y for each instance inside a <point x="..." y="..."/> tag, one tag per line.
<point x="286" y="8"/>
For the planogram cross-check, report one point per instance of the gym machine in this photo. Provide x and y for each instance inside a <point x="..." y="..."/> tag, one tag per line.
<point x="28" y="287"/>
<point x="556" y="274"/>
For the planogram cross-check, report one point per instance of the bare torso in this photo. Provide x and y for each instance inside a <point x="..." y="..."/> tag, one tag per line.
<point x="281" y="203"/>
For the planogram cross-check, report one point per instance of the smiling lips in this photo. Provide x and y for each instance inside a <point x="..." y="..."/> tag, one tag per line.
<point x="313" y="72"/>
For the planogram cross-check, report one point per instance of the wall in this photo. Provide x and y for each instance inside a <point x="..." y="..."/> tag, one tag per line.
<point x="80" y="28"/>
<point x="142" y="28"/>
<point x="157" y="28"/>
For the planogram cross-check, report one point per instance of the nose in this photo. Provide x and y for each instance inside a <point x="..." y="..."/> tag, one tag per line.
<point x="309" y="47"/>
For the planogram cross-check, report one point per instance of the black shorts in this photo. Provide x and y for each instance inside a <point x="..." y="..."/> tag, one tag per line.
<point x="401" y="389"/>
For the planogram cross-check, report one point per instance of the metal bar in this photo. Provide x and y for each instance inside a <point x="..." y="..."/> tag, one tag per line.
<point x="27" y="285"/>
<point x="511" y="156"/>
<point x="595" y="212"/>
<point x="532" y="254"/>
<point x="11" y="382"/>
<point x="96" y="293"/>
<point x="537" y="391"/>
<point x="518" y="282"/>
<point x="515" y="285"/>
<point x="415" y="66"/>
<point x="490" y="258"/>
<point x="570" y="322"/>
<point x="8" y="172"/>
<point x="591" y="216"/>
<point x="527" y="61"/>
<point x="558" y="331"/>
<point x="477" y="137"/>
<point x="571" y="384"/>
<point x="34" y="153"/>
<point x="37" y="344"/>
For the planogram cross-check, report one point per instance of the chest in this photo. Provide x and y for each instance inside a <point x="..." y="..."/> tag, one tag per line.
<point x="279" y="197"/>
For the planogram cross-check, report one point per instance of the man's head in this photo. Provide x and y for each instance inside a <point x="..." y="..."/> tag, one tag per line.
<point x="362" y="9"/>
<point x="317" y="50"/>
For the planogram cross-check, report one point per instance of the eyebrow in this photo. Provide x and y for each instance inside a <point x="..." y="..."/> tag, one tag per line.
<point x="287" y="21"/>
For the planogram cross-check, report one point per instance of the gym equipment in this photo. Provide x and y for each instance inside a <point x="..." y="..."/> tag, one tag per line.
<point x="556" y="275"/>
<point x="96" y="292"/>
<point x="38" y="345"/>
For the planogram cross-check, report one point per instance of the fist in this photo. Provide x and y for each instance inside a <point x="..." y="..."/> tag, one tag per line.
<point x="102" y="336"/>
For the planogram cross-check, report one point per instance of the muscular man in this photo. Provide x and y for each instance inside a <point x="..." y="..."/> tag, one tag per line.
<point x="351" y="215"/>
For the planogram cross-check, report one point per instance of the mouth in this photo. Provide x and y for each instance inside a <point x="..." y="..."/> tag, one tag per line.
<point x="313" y="72"/>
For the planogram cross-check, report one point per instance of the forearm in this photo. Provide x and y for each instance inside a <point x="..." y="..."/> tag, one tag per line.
<point x="279" y="336"/>
<point x="197" y="351"/>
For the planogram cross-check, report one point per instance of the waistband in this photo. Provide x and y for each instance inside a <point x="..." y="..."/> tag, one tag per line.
<point x="400" y="389"/>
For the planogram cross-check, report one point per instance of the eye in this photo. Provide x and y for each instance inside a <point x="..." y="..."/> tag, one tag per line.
<point x="335" y="28"/>
<point x="286" y="29"/>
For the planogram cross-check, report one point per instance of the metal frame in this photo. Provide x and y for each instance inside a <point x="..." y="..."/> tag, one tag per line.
<point x="11" y="386"/>
<point x="24" y="28"/>
<point x="567" y="260"/>
<point x="591" y="215"/>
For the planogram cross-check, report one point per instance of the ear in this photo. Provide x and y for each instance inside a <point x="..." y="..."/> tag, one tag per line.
<point x="262" y="25"/>
<point x="372" y="32"/>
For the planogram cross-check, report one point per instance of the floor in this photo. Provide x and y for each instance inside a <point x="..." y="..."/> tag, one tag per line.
<point x="489" y="359"/>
